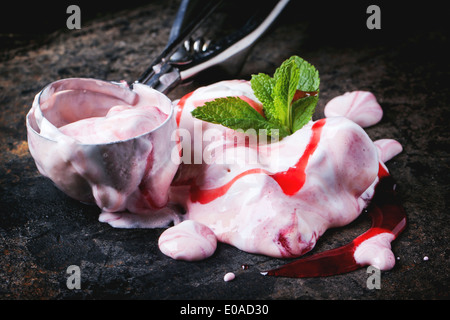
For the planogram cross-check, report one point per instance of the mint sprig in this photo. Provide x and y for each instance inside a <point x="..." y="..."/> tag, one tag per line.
<point x="235" y="113"/>
<point x="289" y="99"/>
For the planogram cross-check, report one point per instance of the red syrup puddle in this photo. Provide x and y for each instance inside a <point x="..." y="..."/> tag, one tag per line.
<point x="290" y="181"/>
<point x="387" y="215"/>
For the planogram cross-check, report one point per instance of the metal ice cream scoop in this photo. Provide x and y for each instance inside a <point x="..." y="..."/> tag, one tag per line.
<point x="183" y="58"/>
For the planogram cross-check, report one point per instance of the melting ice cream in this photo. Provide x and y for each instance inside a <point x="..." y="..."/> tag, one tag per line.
<point x="101" y="143"/>
<point x="320" y="177"/>
<point x="270" y="197"/>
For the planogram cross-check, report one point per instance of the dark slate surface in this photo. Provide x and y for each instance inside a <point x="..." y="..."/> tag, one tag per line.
<point x="43" y="232"/>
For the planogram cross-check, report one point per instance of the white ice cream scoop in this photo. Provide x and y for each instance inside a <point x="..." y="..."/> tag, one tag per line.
<point x="77" y="138"/>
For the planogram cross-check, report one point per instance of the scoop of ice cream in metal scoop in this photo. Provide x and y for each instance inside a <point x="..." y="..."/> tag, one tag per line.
<point x="101" y="143"/>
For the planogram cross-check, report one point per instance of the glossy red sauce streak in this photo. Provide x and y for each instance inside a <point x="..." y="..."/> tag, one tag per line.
<point x="387" y="215"/>
<point x="302" y="94"/>
<point x="181" y="104"/>
<point x="290" y="181"/>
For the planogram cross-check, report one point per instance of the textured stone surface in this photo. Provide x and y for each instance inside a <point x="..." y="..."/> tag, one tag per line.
<point x="404" y="64"/>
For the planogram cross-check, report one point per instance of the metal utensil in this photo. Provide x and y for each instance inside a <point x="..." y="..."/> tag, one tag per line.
<point x="182" y="59"/>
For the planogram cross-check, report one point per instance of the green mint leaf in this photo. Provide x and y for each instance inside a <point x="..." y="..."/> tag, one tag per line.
<point x="303" y="110"/>
<point x="309" y="80"/>
<point x="262" y="86"/>
<point x="269" y="128"/>
<point x="286" y="80"/>
<point x="283" y="115"/>
<point x="299" y="112"/>
<point x="309" y="77"/>
<point x="235" y="113"/>
<point x="225" y="108"/>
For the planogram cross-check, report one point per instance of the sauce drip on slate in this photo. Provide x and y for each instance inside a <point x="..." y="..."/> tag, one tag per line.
<point x="387" y="216"/>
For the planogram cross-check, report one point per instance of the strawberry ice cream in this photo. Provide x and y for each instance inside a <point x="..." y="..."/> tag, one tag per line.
<point x="359" y="106"/>
<point x="120" y="123"/>
<point x="263" y="196"/>
<point x="104" y="143"/>
<point x="273" y="198"/>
